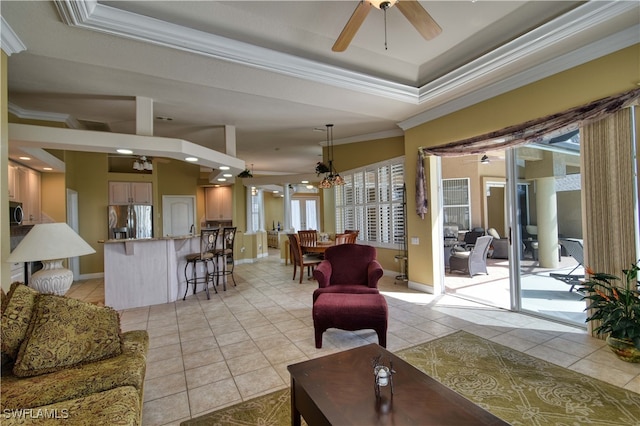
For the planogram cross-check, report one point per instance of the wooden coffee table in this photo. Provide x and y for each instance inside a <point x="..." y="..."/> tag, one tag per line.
<point x="338" y="389"/>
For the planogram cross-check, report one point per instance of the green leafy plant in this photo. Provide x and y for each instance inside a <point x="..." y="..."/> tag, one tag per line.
<point x="616" y="308"/>
<point x="246" y="173"/>
<point x="322" y="168"/>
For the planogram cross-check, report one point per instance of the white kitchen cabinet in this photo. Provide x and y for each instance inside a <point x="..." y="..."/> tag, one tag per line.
<point x="24" y="187"/>
<point x="14" y="183"/>
<point x="218" y="203"/>
<point x="130" y="193"/>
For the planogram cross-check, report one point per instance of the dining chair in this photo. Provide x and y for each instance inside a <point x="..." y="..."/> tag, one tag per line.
<point x="300" y="259"/>
<point x="346" y="238"/>
<point x="308" y="237"/>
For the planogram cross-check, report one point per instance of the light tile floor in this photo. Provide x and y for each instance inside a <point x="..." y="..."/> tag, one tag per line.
<point x="208" y="354"/>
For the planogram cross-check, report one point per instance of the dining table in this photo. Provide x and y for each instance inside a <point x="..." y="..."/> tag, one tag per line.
<point x="317" y="246"/>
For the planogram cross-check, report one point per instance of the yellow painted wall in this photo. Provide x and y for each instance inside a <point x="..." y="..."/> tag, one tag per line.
<point x="86" y="173"/>
<point x="173" y="178"/>
<point x="5" y="246"/>
<point x="53" y="196"/>
<point x="609" y="75"/>
<point x="359" y="154"/>
<point x="273" y="211"/>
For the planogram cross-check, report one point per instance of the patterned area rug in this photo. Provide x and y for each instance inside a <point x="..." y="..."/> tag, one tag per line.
<point x="516" y="387"/>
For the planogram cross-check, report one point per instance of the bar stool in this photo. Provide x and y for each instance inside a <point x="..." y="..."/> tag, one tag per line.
<point x="225" y="253"/>
<point x="208" y="238"/>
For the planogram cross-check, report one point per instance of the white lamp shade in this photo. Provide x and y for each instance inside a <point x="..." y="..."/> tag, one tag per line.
<point x="50" y="241"/>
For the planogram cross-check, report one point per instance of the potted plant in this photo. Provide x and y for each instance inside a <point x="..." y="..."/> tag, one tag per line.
<point x="246" y="173"/>
<point x="617" y="309"/>
<point x="322" y="168"/>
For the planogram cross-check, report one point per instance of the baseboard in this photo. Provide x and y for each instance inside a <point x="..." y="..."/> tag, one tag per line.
<point x="90" y="276"/>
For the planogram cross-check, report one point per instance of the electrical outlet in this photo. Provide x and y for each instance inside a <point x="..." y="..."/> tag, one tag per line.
<point x="260" y="247"/>
<point x="241" y="249"/>
<point x="415" y="241"/>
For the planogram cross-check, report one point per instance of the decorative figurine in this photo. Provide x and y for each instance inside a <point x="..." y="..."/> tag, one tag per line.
<point x="383" y="375"/>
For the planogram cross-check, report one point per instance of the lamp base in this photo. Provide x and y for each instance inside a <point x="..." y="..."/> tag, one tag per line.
<point x="52" y="278"/>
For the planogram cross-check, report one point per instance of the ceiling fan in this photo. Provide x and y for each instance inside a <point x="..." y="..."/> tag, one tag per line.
<point x="411" y="9"/>
<point x="485" y="159"/>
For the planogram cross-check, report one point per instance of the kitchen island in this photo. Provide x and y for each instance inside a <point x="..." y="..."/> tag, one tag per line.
<point x="148" y="271"/>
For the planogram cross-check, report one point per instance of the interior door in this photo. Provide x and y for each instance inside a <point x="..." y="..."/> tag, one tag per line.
<point x="178" y="213"/>
<point x="305" y="213"/>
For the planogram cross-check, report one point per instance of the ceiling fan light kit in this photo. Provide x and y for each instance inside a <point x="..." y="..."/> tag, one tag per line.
<point x="142" y="164"/>
<point x="383" y="5"/>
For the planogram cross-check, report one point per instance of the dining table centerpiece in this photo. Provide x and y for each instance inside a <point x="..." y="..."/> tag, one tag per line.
<point x="616" y="308"/>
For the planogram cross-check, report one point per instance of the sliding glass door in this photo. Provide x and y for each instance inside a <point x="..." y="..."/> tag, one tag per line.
<point x="547" y="215"/>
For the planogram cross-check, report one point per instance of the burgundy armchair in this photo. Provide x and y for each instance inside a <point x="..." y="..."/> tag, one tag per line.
<point x="348" y="268"/>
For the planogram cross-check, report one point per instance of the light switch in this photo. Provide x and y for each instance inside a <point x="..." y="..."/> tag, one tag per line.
<point x="415" y="241"/>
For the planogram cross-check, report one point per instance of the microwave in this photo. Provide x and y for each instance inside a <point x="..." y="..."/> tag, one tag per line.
<point x="15" y="213"/>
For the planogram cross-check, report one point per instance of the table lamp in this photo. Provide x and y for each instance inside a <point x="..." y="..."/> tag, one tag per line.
<point x="50" y="243"/>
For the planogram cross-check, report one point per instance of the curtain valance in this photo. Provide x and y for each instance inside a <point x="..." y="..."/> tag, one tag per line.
<point x="538" y="129"/>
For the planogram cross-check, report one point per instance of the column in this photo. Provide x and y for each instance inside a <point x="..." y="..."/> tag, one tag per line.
<point x="287" y="207"/>
<point x="144" y="116"/>
<point x="547" y="212"/>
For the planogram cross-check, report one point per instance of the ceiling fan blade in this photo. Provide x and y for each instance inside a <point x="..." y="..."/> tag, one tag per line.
<point x="419" y="18"/>
<point x="349" y="31"/>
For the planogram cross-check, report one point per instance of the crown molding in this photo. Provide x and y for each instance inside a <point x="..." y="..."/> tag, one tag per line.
<point x="10" y="43"/>
<point x="90" y="14"/>
<point x="94" y="16"/>
<point x="569" y="25"/>
<point x="602" y="47"/>
<point x="29" y="114"/>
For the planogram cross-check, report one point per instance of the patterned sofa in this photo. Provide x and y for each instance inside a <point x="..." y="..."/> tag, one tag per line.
<point x="66" y="361"/>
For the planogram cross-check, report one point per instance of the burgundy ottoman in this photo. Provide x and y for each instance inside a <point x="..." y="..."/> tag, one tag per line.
<point x="350" y="312"/>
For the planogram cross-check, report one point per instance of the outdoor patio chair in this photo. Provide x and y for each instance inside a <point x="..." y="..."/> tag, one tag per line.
<point x="474" y="261"/>
<point x="575" y="249"/>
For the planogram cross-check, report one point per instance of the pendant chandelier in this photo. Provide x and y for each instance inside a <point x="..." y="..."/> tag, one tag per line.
<point x="331" y="176"/>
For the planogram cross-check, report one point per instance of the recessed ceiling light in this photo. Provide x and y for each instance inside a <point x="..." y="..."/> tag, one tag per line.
<point x="47" y="169"/>
<point x="191" y="159"/>
<point x="222" y="180"/>
<point x="227" y="175"/>
<point x="224" y="167"/>
<point x="25" y="158"/>
<point x="275" y="191"/>
<point x="309" y="186"/>
<point x="305" y="181"/>
<point x="124" y="151"/>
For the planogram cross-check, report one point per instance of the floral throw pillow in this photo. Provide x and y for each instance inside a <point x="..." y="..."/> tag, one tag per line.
<point x="16" y="318"/>
<point x="65" y="333"/>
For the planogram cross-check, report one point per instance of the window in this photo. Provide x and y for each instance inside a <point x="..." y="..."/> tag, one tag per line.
<point x="456" y="202"/>
<point x="255" y="208"/>
<point x="372" y="201"/>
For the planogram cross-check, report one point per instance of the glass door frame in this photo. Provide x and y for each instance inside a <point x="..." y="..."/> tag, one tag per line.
<point x="515" y="237"/>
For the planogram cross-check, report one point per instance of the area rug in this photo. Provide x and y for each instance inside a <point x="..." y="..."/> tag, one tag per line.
<point x="516" y="387"/>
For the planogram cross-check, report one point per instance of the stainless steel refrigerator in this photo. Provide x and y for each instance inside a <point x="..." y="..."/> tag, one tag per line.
<point x="130" y="221"/>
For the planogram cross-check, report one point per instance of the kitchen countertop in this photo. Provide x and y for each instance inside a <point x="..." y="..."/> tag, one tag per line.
<point x="142" y="240"/>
